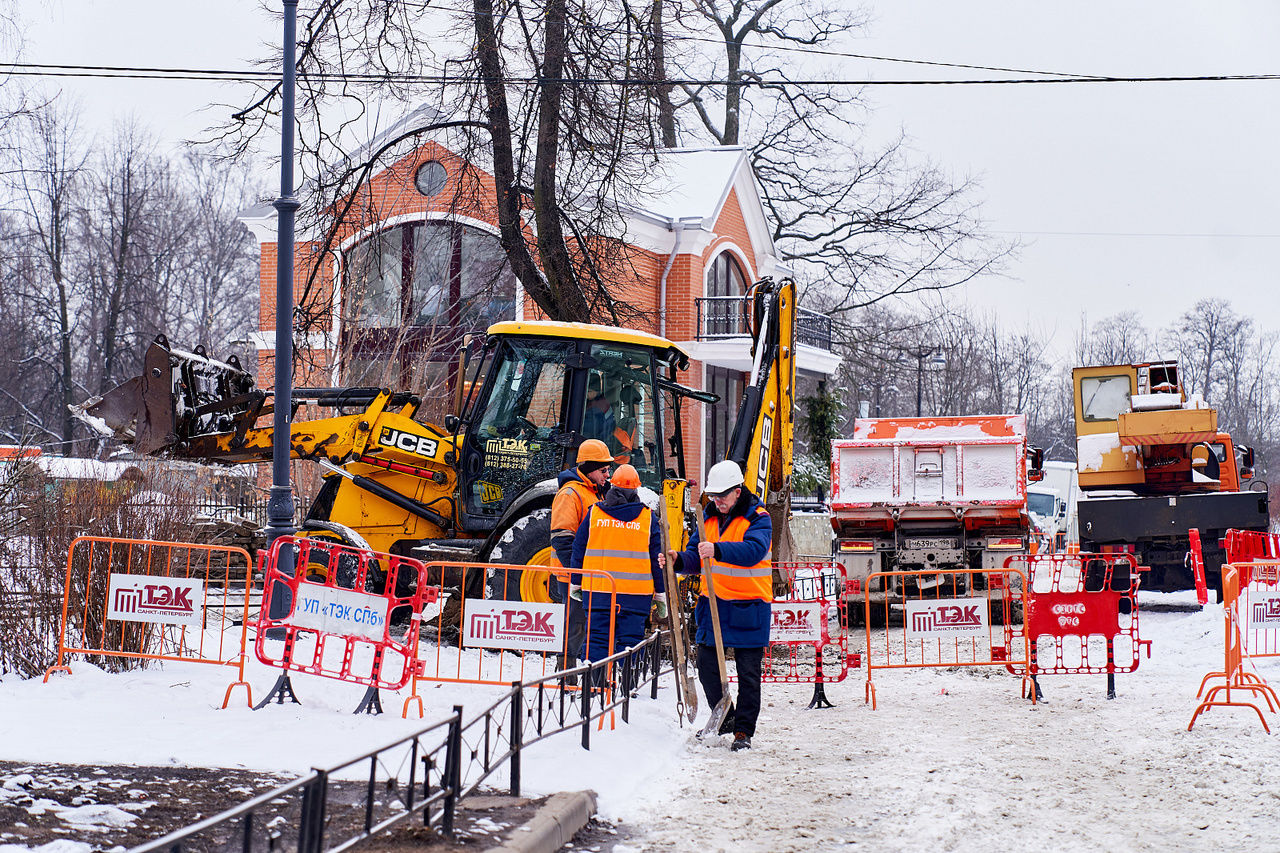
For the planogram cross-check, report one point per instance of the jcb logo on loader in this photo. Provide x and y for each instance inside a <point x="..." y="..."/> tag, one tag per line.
<point x="408" y="442"/>
<point x="762" y="470"/>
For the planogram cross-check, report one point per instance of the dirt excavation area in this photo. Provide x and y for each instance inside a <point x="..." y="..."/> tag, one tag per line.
<point x="954" y="759"/>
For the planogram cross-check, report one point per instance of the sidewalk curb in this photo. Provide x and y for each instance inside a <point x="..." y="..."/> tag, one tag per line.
<point x="556" y="822"/>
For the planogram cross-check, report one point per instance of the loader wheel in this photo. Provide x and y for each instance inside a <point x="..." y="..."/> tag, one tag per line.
<point x="525" y="543"/>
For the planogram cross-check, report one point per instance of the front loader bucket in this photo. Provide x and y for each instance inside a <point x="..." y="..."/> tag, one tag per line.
<point x="178" y="396"/>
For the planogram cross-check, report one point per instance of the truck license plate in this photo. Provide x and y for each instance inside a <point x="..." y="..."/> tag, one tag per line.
<point x="917" y="543"/>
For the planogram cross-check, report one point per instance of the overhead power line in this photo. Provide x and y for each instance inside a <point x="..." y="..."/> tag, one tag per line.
<point x="26" y="69"/>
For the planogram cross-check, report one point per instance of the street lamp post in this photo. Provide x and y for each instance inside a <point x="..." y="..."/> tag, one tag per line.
<point x="936" y="360"/>
<point x="280" y="503"/>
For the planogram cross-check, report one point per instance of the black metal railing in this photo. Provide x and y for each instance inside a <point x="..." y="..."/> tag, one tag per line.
<point x="721" y="317"/>
<point x="428" y="772"/>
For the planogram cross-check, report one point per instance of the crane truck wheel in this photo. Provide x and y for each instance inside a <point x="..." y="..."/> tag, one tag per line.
<point x="525" y="543"/>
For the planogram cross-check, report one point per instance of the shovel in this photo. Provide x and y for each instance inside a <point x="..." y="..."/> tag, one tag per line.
<point x="686" y="693"/>
<point x="721" y="710"/>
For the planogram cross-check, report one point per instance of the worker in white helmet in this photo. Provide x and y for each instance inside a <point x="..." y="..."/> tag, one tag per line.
<point x="736" y="538"/>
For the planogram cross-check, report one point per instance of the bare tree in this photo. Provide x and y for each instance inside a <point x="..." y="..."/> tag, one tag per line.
<point x="215" y="299"/>
<point x="542" y="95"/>
<point x="860" y="225"/>
<point x="49" y="160"/>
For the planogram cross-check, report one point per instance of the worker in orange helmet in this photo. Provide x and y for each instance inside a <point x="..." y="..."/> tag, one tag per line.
<point x="581" y="487"/>
<point x="618" y="537"/>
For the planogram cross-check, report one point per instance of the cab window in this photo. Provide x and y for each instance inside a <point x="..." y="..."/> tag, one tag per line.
<point x="1103" y="398"/>
<point x="620" y="409"/>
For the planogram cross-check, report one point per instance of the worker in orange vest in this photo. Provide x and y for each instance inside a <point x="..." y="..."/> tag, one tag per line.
<point x="581" y="487"/>
<point x="619" y="537"/>
<point x="737" y="535"/>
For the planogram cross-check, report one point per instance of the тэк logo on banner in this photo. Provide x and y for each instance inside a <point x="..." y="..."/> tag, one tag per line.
<point x="1265" y="613"/>
<point x="949" y="616"/>
<point x="514" y="625"/>
<point x="796" y="623"/>
<point x="145" y="598"/>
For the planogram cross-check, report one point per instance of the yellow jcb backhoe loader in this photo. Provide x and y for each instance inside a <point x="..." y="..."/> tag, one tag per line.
<point x="481" y="487"/>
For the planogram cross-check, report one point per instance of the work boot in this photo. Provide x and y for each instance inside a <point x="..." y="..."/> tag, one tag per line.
<point x="740" y="741"/>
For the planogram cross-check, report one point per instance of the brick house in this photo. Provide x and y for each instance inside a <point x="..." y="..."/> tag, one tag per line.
<point x="415" y="265"/>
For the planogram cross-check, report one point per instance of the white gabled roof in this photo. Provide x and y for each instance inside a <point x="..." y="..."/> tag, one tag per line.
<point x="691" y="185"/>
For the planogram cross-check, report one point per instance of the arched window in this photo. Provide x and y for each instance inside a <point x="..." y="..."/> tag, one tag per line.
<point x="725" y="317"/>
<point x="411" y="292"/>
<point x="725" y="286"/>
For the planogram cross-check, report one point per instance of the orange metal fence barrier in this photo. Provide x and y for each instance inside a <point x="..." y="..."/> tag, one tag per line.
<point x="1240" y="620"/>
<point x="142" y="599"/>
<point x="808" y="640"/>
<point x="960" y="618"/>
<point x="1082" y="614"/>
<point x="480" y="632"/>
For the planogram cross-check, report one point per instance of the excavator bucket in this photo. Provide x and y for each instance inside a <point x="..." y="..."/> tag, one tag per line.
<point x="179" y="395"/>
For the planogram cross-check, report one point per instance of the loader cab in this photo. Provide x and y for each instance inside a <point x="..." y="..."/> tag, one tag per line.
<point x="541" y="389"/>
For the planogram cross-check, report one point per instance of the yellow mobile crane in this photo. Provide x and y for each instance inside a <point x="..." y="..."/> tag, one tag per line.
<point x="481" y="487"/>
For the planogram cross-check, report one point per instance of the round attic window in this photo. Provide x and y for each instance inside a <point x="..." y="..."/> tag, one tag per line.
<point x="430" y="178"/>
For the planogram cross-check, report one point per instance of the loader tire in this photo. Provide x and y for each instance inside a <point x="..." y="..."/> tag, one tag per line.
<point x="525" y="543"/>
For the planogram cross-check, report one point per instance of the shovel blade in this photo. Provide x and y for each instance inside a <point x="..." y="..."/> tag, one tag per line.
<point x="718" y="713"/>
<point x="690" y="699"/>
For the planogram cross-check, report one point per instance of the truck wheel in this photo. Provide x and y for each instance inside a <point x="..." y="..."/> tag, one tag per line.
<point x="525" y="543"/>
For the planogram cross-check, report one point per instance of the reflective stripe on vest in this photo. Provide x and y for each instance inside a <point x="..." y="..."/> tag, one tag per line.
<point x="587" y="498"/>
<point x="620" y="548"/>
<point x="738" y="582"/>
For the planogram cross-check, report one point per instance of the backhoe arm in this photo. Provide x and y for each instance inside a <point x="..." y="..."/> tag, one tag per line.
<point x="763" y="431"/>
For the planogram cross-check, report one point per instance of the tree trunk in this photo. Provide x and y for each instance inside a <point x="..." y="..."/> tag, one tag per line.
<point x="662" y="91"/>
<point x="552" y="249"/>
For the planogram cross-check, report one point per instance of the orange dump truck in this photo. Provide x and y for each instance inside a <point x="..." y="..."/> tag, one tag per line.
<point x="932" y="495"/>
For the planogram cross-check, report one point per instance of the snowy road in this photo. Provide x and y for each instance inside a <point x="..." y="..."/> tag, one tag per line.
<point x="952" y="760"/>
<point x="978" y="768"/>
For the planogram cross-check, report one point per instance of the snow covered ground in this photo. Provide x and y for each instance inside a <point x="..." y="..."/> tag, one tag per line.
<point x="951" y="759"/>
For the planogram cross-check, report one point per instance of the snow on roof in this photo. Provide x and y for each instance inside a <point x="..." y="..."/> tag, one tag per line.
<point x="691" y="182"/>
<point x="69" y="468"/>
<point x="965" y="426"/>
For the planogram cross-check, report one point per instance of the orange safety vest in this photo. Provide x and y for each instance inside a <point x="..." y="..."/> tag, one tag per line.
<point x="738" y="582"/>
<point x="627" y="441"/>
<point x="620" y="548"/>
<point x="569" y="507"/>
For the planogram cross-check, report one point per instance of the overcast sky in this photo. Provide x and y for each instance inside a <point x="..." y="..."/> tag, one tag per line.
<point x="1127" y="196"/>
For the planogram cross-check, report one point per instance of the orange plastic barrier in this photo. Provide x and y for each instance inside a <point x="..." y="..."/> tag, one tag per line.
<point x="359" y="623"/>
<point x="153" y="600"/>
<point x="1196" y="556"/>
<point x="1246" y="546"/>
<point x="962" y="618"/>
<point x="480" y="632"/>
<point x="805" y="647"/>
<point x="1234" y="676"/>
<point x="1079" y="609"/>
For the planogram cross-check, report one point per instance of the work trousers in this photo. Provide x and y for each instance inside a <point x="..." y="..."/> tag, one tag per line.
<point x="747" y="707"/>
<point x="575" y="621"/>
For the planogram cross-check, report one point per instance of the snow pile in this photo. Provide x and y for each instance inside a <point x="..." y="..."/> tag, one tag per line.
<point x="953" y="759"/>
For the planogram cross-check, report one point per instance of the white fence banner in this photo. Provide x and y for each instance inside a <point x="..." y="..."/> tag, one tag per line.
<point x="947" y="617"/>
<point x="796" y="623"/>
<point x="339" y="611"/>
<point x="146" y="598"/>
<point x="497" y="624"/>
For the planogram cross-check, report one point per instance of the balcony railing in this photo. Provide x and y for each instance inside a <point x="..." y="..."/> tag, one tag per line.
<point x="721" y="317"/>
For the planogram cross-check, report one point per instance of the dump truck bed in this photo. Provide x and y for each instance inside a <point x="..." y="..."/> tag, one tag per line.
<point x="906" y="464"/>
